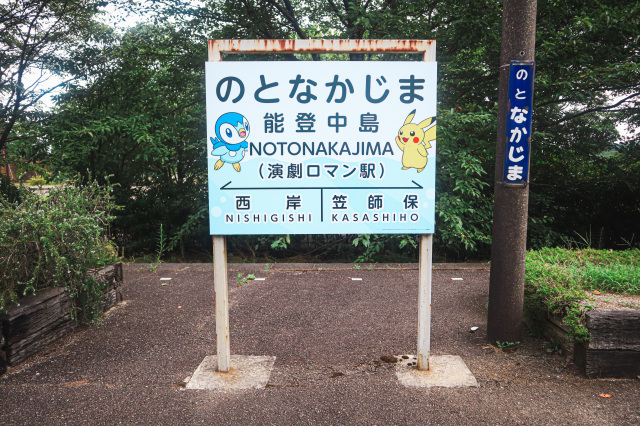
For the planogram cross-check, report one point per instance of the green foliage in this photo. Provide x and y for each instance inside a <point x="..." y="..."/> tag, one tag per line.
<point x="281" y="242"/>
<point x="464" y="204"/>
<point x="581" y="258"/>
<point x="378" y="247"/>
<point x="298" y="247"/>
<point x="587" y="82"/>
<point x="241" y="281"/>
<point x="37" y="181"/>
<point x="8" y="191"/>
<point x="507" y="346"/>
<point x="141" y="119"/>
<point x="244" y="280"/>
<point x="54" y="240"/>
<point x="39" y="39"/>
<point x="162" y="241"/>
<point x="161" y="247"/>
<point x="556" y="281"/>
<point x="466" y="139"/>
<point x="135" y="109"/>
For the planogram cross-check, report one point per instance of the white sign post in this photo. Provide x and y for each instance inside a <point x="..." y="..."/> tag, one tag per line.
<point x="321" y="147"/>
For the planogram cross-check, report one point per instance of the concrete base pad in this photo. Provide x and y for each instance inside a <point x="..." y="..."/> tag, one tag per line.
<point x="246" y="372"/>
<point x="447" y="371"/>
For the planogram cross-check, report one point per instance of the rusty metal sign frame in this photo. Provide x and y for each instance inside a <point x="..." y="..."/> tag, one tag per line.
<point x="216" y="48"/>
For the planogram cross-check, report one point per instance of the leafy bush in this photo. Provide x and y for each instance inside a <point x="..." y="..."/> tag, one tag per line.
<point x="141" y="121"/>
<point x="557" y="280"/>
<point x="464" y="200"/>
<point x="324" y="247"/>
<point x="54" y="240"/>
<point x="37" y="181"/>
<point x="377" y="246"/>
<point x="8" y="191"/>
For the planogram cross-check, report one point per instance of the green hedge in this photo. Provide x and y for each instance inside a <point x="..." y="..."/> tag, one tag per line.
<point x="559" y="282"/>
<point x="54" y="240"/>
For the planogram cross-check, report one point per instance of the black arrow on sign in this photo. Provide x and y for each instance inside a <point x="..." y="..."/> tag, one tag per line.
<point x="417" y="186"/>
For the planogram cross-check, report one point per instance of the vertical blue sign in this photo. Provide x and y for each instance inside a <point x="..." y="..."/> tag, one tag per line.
<point x="518" y="137"/>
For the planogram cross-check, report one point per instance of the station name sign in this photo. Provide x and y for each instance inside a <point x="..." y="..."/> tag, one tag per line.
<point x="520" y="111"/>
<point x="323" y="147"/>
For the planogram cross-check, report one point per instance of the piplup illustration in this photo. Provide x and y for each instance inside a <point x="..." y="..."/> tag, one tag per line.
<point x="230" y="143"/>
<point x="414" y="141"/>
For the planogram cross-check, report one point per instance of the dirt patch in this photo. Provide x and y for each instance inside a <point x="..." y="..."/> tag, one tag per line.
<point x="614" y="301"/>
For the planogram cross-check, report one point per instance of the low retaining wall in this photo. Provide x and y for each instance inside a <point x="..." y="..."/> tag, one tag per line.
<point x="614" y="348"/>
<point x="41" y="319"/>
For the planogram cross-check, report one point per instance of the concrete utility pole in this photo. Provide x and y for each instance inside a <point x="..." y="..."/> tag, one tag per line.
<point x="510" y="209"/>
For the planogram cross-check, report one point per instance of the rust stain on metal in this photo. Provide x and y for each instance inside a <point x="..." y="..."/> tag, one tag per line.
<point x="423" y="363"/>
<point x="322" y="46"/>
<point x="230" y="376"/>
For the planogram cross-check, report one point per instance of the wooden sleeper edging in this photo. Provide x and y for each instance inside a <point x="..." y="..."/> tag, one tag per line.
<point x="41" y="319"/>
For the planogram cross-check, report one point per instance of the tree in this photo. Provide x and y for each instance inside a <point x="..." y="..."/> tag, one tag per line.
<point x="587" y="81"/>
<point x="462" y="181"/>
<point x="140" y="120"/>
<point x="37" y="41"/>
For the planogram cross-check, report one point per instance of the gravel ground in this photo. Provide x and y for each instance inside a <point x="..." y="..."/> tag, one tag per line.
<point x="327" y="333"/>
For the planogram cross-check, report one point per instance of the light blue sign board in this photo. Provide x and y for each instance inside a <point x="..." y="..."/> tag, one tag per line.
<point x="520" y="111"/>
<point x="321" y="147"/>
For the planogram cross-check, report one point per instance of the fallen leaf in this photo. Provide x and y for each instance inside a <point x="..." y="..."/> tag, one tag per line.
<point x="605" y="395"/>
<point x="596" y="292"/>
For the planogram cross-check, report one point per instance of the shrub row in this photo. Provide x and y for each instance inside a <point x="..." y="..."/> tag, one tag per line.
<point x="54" y="240"/>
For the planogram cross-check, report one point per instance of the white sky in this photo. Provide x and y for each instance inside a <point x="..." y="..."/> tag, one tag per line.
<point x="109" y="16"/>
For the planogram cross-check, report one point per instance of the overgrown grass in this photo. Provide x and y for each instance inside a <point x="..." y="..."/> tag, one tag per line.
<point x="557" y="256"/>
<point x="560" y="282"/>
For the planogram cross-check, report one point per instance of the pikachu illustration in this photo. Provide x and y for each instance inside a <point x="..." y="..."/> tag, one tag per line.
<point x="414" y="141"/>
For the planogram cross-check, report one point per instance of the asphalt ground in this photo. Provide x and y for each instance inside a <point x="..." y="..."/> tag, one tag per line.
<point x="327" y="333"/>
